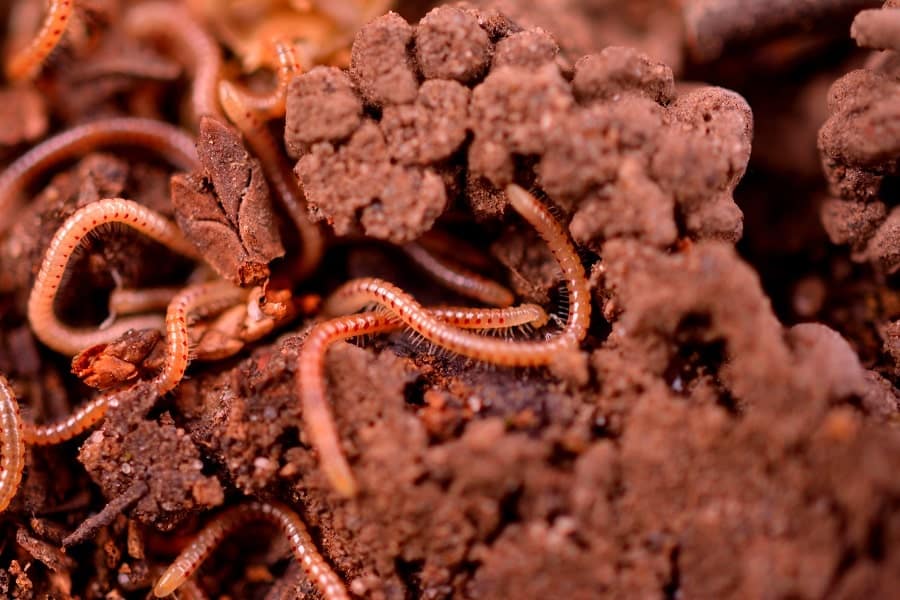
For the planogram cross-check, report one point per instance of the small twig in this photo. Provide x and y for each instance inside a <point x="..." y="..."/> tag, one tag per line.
<point x="103" y="518"/>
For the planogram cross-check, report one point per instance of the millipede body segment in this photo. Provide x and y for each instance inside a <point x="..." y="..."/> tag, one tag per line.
<point x="311" y="365"/>
<point x="457" y="278"/>
<point x="166" y="140"/>
<point x="316" y="568"/>
<point x="176" y="24"/>
<point x="41" y="315"/>
<point x="12" y="445"/>
<point x="203" y="296"/>
<point x="27" y="62"/>
<point x="357" y="293"/>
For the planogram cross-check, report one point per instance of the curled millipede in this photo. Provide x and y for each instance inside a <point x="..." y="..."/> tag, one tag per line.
<point x="12" y="445"/>
<point x="317" y="417"/>
<point x="279" y="174"/>
<point x="41" y="316"/>
<point x="457" y="278"/>
<point x="166" y="140"/>
<point x="271" y="105"/>
<point x="27" y="62"/>
<point x="191" y="40"/>
<point x="316" y="568"/>
<point x="203" y="296"/>
<point x="357" y="293"/>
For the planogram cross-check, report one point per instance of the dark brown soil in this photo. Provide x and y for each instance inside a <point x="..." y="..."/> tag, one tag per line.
<point x="728" y="429"/>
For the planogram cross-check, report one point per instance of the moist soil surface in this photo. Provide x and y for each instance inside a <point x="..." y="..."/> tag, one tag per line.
<point x="729" y="173"/>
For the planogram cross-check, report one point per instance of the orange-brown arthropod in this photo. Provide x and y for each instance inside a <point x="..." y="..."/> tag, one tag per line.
<point x="41" y="316"/>
<point x="317" y="570"/>
<point x="357" y="293"/>
<point x="311" y="364"/>
<point x="26" y="63"/>
<point x="164" y="139"/>
<point x="12" y="445"/>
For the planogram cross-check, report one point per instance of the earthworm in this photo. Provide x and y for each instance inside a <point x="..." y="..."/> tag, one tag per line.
<point x="311" y="365"/>
<point x="130" y="301"/>
<point x="168" y="141"/>
<point x="271" y="105"/>
<point x="12" y="445"/>
<point x="26" y="63"/>
<point x="317" y="570"/>
<point x="457" y="278"/>
<point x="356" y="293"/>
<point x="176" y="24"/>
<point x="69" y="340"/>
<point x="85" y="417"/>
<point x="208" y="296"/>
<point x="279" y="174"/>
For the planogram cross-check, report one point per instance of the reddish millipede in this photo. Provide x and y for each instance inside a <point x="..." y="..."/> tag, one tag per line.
<point x="271" y="105"/>
<point x="85" y="417"/>
<point x="175" y="23"/>
<point x="457" y="278"/>
<point x="26" y="63"/>
<point x="302" y="546"/>
<point x="46" y="326"/>
<point x="12" y="445"/>
<point x="279" y="174"/>
<point x="207" y="296"/>
<point x="129" y="301"/>
<point x="168" y="141"/>
<point x="311" y="365"/>
<point x="354" y="294"/>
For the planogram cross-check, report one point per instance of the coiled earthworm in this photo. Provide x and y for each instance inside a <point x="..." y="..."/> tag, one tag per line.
<point x="176" y="24"/>
<point x="357" y="293"/>
<point x="202" y="296"/>
<point x="319" y="423"/>
<point x="41" y="316"/>
<point x="271" y="105"/>
<point x="279" y="174"/>
<point x="316" y="568"/>
<point x="457" y="278"/>
<point x="12" y="445"/>
<point x="26" y="63"/>
<point x="85" y="417"/>
<point x="168" y="141"/>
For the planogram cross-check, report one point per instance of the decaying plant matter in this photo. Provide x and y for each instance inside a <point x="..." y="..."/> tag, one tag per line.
<point x="578" y="387"/>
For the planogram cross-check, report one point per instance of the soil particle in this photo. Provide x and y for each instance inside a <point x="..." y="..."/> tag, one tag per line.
<point x="322" y="107"/>
<point x="860" y="151"/>
<point x="450" y="44"/>
<point x="616" y="70"/>
<point x="430" y="129"/>
<point x="528" y="49"/>
<point x="380" y="63"/>
<point x="127" y="450"/>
